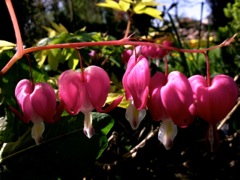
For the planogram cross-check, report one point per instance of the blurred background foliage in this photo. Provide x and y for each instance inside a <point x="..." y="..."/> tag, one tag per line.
<point x="45" y="22"/>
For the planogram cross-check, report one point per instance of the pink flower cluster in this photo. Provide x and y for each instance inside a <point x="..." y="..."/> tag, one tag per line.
<point x="78" y="92"/>
<point x="173" y="98"/>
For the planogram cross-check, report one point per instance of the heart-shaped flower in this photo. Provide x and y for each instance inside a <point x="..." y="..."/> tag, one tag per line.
<point x="38" y="104"/>
<point x="214" y="101"/>
<point x="135" y="83"/>
<point x="177" y="98"/>
<point x="85" y="91"/>
<point x="170" y="100"/>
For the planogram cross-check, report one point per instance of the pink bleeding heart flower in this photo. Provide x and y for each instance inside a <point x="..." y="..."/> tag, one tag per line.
<point x="214" y="101"/>
<point x="84" y="91"/>
<point x="177" y="97"/>
<point x="170" y="100"/>
<point x="126" y="54"/>
<point x="153" y="52"/>
<point x="38" y="104"/>
<point x="135" y="83"/>
<point x="155" y="104"/>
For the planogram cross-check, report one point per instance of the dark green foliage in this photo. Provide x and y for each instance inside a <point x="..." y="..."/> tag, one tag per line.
<point x="64" y="153"/>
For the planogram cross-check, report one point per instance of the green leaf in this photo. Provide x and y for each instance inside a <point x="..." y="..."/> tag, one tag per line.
<point x="59" y="27"/>
<point x="72" y="63"/>
<point x="65" y="152"/>
<point x="138" y="8"/>
<point x="41" y="57"/>
<point x="52" y="59"/>
<point x="51" y="32"/>
<point x="149" y="3"/>
<point x="113" y="5"/>
<point x="5" y="45"/>
<point x="102" y="122"/>
<point x="124" y="5"/>
<point x="112" y="96"/>
<point x="151" y="12"/>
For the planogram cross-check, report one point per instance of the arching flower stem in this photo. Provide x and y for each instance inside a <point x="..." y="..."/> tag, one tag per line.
<point x="125" y="41"/>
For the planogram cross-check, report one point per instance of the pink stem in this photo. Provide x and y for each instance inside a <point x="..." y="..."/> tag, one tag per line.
<point x="102" y="43"/>
<point x="81" y="64"/>
<point x="125" y="41"/>
<point x="128" y="27"/>
<point x="208" y="74"/>
<point x="20" y="51"/>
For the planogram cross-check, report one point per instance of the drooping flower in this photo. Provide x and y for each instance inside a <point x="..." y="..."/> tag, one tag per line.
<point x="155" y="104"/>
<point x="214" y="101"/>
<point x="84" y="91"/>
<point x="170" y="100"/>
<point x="135" y="83"/>
<point x="177" y="97"/>
<point x="38" y="104"/>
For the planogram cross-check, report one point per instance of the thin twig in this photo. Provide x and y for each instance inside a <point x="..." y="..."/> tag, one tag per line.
<point x="229" y="115"/>
<point x="133" y="151"/>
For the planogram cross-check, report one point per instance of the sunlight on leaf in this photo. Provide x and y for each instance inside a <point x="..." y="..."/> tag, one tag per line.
<point x="138" y="8"/>
<point x="41" y="57"/>
<point x="112" y="96"/>
<point x="5" y="45"/>
<point x="52" y="59"/>
<point x="72" y="63"/>
<point x="51" y="32"/>
<point x="110" y="4"/>
<point x="124" y="5"/>
<point x="59" y="27"/>
<point x="151" y="12"/>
